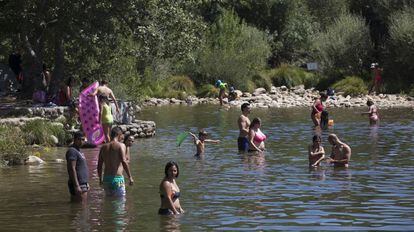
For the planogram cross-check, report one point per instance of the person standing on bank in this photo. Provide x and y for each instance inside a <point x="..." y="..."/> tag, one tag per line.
<point x="244" y="123"/>
<point x="77" y="170"/>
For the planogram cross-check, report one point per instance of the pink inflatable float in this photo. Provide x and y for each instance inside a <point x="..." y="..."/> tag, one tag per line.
<point x="89" y="115"/>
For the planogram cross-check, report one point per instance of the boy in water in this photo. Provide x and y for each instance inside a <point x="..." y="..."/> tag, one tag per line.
<point x="199" y="142"/>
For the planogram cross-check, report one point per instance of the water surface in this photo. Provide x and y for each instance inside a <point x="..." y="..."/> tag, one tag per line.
<point x="225" y="190"/>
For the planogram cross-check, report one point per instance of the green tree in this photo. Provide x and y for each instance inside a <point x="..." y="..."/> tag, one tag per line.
<point x="343" y="47"/>
<point x="233" y="51"/>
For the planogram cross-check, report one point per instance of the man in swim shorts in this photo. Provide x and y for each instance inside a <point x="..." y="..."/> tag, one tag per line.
<point x="341" y="152"/>
<point x="77" y="170"/>
<point x="113" y="156"/>
<point x="244" y="123"/>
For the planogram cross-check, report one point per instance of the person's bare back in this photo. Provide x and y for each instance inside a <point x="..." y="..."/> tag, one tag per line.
<point x="112" y="155"/>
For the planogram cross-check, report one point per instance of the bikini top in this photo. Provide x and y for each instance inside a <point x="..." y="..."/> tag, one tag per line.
<point x="259" y="136"/>
<point x="175" y="196"/>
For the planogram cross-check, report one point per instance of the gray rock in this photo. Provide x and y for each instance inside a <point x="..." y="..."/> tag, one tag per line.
<point x="54" y="139"/>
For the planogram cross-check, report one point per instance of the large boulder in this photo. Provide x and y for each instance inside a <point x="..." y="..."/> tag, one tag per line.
<point x="259" y="91"/>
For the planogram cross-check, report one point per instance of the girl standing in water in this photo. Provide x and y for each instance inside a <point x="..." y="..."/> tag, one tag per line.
<point x="372" y="113"/>
<point x="316" y="152"/>
<point x="317" y="109"/>
<point x="169" y="191"/>
<point x="106" y="117"/>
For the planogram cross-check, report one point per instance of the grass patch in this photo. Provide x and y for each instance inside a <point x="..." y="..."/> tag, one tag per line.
<point x="40" y="131"/>
<point x="13" y="149"/>
<point x="351" y="85"/>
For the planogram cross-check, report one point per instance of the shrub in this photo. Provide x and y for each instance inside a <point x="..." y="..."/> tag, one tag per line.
<point x="13" y="149"/>
<point x="351" y="85"/>
<point x="181" y="83"/>
<point x="233" y="52"/>
<point x="262" y="79"/>
<point x="290" y="76"/>
<point x="39" y="132"/>
<point x="208" y="90"/>
<point x="343" y="46"/>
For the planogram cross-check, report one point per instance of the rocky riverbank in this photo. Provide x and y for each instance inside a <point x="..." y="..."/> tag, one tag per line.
<point x="282" y="97"/>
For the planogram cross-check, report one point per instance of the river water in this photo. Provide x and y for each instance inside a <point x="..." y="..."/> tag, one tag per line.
<point x="225" y="190"/>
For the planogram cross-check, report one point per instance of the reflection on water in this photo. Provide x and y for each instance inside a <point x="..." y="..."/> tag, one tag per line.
<point x="225" y="190"/>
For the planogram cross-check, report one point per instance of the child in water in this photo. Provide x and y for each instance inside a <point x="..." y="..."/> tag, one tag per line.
<point x="199" y="142"/>
<point x="106" y="117"/>
<point x="316" y="151"/>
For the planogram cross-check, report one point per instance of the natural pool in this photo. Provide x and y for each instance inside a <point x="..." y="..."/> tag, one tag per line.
<point x="229" y="191"/>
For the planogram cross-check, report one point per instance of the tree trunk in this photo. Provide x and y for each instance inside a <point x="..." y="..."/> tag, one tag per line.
<point x="32" y="68"/>
<point x="59" y="70"/>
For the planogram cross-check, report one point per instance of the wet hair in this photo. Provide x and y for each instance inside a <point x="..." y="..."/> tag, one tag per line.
<point x="202" y="132"/>
<point x="370" y="102"/>
<point x="115" y="132"/>
<point x="244" y="106"/>
<point x="316" y="137"/>
<point x="127" y="137"/>
<point x="69" y="81"/>
<point x="254" y="122"/>
<point x="103" y="82"/>
<point x="169" y="165"/>
<point x="78" y="135"/>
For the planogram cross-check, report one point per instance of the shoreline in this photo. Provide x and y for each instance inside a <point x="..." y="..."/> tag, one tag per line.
<point x="282" y="97"/>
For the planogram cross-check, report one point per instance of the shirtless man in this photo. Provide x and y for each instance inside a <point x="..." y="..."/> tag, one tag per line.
<point x="112" y="156"/>
<point x="244" y="123"/>
<point x="341" y="152"/>
<point x="105" y="91"/>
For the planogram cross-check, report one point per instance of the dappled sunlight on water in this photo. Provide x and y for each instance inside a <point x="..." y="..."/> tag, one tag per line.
<point x="225" y="190"/>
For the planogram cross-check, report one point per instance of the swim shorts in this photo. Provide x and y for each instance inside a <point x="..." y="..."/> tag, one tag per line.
<point x="165" y="212"/>
<point x="114" y="186"/>
<point x="84" y="188"/>
<point x="243" y="143"/>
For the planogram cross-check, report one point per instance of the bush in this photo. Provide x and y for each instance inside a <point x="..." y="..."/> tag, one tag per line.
<point x="181" y="83"/>
<point x="291" y="76"/>
<point x="400" y="57"/>
<point x="13" y="149"/>
<point x="233" y="52"/>
<point x="208" y="91"/>
<point x="262" y="80"/>
<point x="39" y="132"/>
<point x="343" y="46"/>
<point x="351" y="85"/>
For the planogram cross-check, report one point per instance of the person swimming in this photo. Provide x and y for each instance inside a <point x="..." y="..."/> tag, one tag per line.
<point x="316" y="153"/>
<point x="372" y="113"/>
<point x="169" y="191"/>
<point x="201" y="140"/>
<point x="256" y="136"/>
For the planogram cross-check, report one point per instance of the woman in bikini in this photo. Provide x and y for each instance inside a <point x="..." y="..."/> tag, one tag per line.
<point x="169" y="191"/>
<point x="256" y="136"/>
<point x="372" y="113"/>
<point x="316" y="152"/>
<point x="317" y="109"/>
